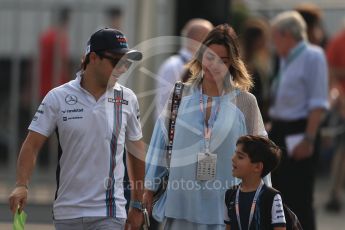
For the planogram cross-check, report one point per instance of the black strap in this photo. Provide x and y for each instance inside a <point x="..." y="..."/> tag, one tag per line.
<point x="176" y="100"/>
<point x="266" y="202"/>
<point x="267" y="197"/>
<point x="230" y="195"/>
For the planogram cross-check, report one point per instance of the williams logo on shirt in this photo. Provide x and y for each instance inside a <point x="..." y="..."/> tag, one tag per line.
<point x="118" y="101"/>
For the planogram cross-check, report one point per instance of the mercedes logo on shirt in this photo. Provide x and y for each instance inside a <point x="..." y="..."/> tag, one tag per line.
<point x="71" y="99"/>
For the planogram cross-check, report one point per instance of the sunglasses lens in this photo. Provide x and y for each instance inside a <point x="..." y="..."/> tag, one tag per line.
<point x="116" y="62"/>
<point x="125" y="63"/>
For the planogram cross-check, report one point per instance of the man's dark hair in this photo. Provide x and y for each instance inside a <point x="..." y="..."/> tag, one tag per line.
<point x="114" y="12"/>
<point x="261" y="149"/>
<point x="63" y="15"/>
<point x="84" y="62"/>
<point x="310" y="13"/>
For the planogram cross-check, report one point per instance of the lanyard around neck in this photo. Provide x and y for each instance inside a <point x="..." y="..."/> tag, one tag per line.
<point x="213" y="117"/>
<point x="252" y="209"/>
<point x="276" y="82"/>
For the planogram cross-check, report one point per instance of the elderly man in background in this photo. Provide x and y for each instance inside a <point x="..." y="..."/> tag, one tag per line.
<point x="299" y="100"/>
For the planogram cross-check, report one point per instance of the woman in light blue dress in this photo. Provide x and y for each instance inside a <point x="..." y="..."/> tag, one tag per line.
<point x="215" y="110"/>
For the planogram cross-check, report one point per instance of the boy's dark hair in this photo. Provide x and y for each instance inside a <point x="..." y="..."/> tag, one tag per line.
<point x="261" y="149"/>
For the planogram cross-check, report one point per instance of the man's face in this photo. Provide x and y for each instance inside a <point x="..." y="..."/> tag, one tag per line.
<point x="113" y="66"/>
<point x="280" y="40"/>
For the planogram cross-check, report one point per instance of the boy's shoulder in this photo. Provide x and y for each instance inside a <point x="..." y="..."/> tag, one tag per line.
<point x="231" y="191"/>
<point x="232" y="188"/>
<point x="270" y="190"/>
<point x="267" y="195"/>
<point x="230" y="195"/>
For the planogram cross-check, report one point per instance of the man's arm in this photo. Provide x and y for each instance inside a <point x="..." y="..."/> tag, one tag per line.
<point x="136" y="173"/>
<point x="314" y="120"/>
<point x="136" y="167"/>
<point x="305" y="148"/>
<point x="25" y="165"/>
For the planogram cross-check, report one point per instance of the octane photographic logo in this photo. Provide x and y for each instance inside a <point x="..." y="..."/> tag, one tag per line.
<point x="142" y="78"/>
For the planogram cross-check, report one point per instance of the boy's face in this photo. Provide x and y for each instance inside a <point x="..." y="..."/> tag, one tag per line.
<point x="242" y="167"/>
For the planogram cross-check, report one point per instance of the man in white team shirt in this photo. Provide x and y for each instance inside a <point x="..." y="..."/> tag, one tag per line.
<point x="93" y="117"/>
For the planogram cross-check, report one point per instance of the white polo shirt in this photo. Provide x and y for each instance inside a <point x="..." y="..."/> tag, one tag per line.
<point x="91" y="138"/>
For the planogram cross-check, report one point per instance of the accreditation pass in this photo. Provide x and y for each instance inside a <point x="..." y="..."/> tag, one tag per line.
<point x="206" y="168"/>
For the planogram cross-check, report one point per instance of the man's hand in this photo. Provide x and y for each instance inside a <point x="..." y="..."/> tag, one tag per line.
<point x="135" y="219"/>
<point x="25" y="166"/>
<point x="147" y="201"/>
<point x="18" y="199"/>
<point x="303" y="150"/>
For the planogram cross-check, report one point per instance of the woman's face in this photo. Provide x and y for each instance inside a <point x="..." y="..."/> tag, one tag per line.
<point x="215" y="63"/>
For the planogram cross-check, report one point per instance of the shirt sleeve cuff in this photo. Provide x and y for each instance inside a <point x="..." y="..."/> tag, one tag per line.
<point x="135" y="138"/>
<point x="318" y="103"/>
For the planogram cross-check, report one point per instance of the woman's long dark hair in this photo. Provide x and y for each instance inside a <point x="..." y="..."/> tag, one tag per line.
<point x="226" y="36"/>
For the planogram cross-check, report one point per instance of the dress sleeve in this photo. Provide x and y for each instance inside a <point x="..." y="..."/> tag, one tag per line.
<point x="156" y="158"/>
<point x="255" y="122"/>
<point x="248" y="105"/>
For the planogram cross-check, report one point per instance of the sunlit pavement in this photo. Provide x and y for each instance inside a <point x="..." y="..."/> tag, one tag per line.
<point x="41" y="213"/>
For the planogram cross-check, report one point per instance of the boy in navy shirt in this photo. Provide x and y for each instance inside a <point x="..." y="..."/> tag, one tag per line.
<point x="254" y="158"/>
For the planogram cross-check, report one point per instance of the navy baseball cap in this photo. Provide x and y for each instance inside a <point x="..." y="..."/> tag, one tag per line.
<point x="113" y="41"/>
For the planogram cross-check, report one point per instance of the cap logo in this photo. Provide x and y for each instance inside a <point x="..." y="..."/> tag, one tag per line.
<point x="121" y="40"/>
<point x="87" y="50"/>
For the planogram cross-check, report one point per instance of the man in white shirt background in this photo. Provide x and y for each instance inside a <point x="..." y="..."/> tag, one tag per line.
<point x="172" y="69"/>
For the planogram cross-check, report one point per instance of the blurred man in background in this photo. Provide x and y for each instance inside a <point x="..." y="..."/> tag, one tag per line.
<point x="299" y="100"/>
<point x="54" y="64"/>
<point x="173" y="69"/>
<point x="54" y="53"/>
